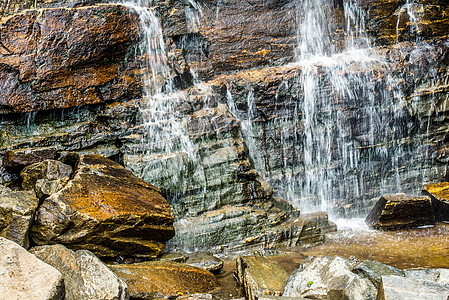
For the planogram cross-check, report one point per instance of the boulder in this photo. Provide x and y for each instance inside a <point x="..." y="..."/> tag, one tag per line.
<point x="329" y="278"/>
<point x="401" y="288"/>
<point x="374" y="270"/>
<point x="16" y="215"/>
<point x="205" y="260"/>
<point x="85" y="276"/>
<point x="45" y="177"/>
<point x="437" y="275"/>
<point x="107" y="210"/>
<point x="24" y="157"/>
<point x="4" y="189"/>
<point x="163" y="279"/>
<point x="23" y="276"/>
<point x="439" y="193"/>
<point x="260" y="276"/>
<point x="400" y="211"/>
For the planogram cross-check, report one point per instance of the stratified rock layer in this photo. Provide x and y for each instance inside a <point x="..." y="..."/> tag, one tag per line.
<point x="107" y="210"/>
<point x="439" y="193"/>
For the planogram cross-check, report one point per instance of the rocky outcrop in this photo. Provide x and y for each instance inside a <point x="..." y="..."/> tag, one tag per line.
<point x="17" y="211"/>
<point x="439" y="193"/>
<point x="155" y="279"/>
<point x="260" y="276"/>
<point x="107" y="210"/>
<point x="400" y="211"/>
<point x="329" y="278"/>
<point x="23" y="276"/>
<point x="85" y="276"/>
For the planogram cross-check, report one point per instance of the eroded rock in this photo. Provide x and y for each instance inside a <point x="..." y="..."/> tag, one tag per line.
<point x="16" y="215"/>
<point x="400" y="211"/>
<point x="107" y="210"/>
<point x="260" y="276"/>
<point x="205" y="260"/>
<point x="439" y="193"/>
<point x="374" y="270"/>
<point x="401" y="288"/>
<point x="23" y="276"/>
<point x="24" y="157"/>
<point x="85" y="276"/>
<point x="157" y="279"/>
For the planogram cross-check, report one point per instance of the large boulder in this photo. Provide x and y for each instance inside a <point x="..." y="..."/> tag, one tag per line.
<point x="17" y="211"/>
<point x="163" y="279"/>
<point x="329" y="278"/>
<point x="260" y="276"/>
<point x="374" y="270"/>
<point x="205" y="260"/>
<point x="23" y="276"/>
<point x="401" y="288"/>
<point x="85" y="276"/>
<point x="105" y="209"/>
<point x="400" y="211"/>
<point x="439" y="193"/>
<point x="24" y="157"/>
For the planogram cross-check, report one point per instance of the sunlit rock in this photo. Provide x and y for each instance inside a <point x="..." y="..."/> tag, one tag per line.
<point x="260" y="276"/>
<point x="205" y="260"/>
<point x="16" y="215"/>
<point x="400" y="211"/>
<point x="374" y="270"/>
<point x="156" y="279"/>
<point x="329" y="278"/>
<point x="396" y="288"/>
<point x="105" y="209"/>
<point x="439" y="193"/>
<point x="85" y="276"/>
<point x="23" y="276"/>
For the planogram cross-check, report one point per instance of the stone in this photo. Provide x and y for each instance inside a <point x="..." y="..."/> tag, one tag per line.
<point x="399" y="211"/>
<point x="436" y="275"/>
<point x="4" y="189"/>
<point x="45" y="177"/>
<point x="23" y="276"/>
<point x="85" y="276"/>
<point x="17" y="211"/>
<point x="374" y="270"/>
<point x="197" y="297"/>
<point x="401" y="288"/>
<point x="439" y="193"/>
<point x="24" y="157"/>
<point x="260" y="276"/>
<point x="179" y="257"/>
<point x="107" y="210"/>
<point x="205" y="260"/>
<point x="159" y="279"/>
<point x="329" y="278"/>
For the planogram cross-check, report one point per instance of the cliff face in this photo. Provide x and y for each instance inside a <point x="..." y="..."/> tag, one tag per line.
<point x="72" y="80"/>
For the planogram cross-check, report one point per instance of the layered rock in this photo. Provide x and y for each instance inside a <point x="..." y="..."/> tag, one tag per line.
<point x="155" y="279"/>
<point x="401" y="211"/>
<point x="85" y="276"/>
<point x="23" y="276"/>
<point x="107" y="210"/>
<point x="439" y="193"/>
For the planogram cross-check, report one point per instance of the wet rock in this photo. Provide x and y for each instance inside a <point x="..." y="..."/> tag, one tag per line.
<point x="24" y="157"/>
<point x="205" y="260"/>
<point x="23" y="276"/>
<point x="156" y="279"/>
<point x="400" y="211"/>
<point x="197" y="297"/>
<point x="260" y="276"/>
<point x="107" y="210"/>
<point x="16" y="215"/>
<point x="175" y="257"/>
<point x="46" y="177"/>
<point x="396" y="287"/>
<point x="329" y="278"/>
<point x="374" y="270"/>
<point x="85" y="276"/>
<point x="439" y="193"/>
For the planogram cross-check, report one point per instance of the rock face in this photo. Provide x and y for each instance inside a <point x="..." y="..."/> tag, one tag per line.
<point x="107" y="210"/>
<point x="439" y="193"/>
<point x="401" y="211"/>
<point x="155" y="279"/>
<point x="260" y="276"/>
<point x="16" y="215"/>
<point x="395" y="287"/>
<point x="85" y="276"/>
<point x="23" y="276"/>
<point x="329" y="278"/>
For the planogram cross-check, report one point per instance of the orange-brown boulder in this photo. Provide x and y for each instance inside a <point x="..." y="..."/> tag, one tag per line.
<point x="107" y="210"/>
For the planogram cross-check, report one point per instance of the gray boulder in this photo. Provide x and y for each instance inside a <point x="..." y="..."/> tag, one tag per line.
<point x="16" y="215"/>
<point x="329" y="278"/>
<point x="85" y="276"/>
<point x="23" y="276"/>
<point x="374" y="270"/>
<point x="402" y="288"/>
<point x="205" y="260"/>
<point x="260" y="276"/>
